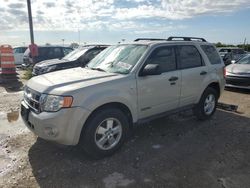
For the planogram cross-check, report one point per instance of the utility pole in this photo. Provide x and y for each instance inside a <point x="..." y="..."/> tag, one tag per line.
<point x="79" y="36"/>
<point x="30" y="22"/>
<point x="245" y="43"/>
<point x="63" y="41"/>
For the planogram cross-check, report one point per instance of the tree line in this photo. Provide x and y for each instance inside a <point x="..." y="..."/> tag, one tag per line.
<point x="246" y="47"/>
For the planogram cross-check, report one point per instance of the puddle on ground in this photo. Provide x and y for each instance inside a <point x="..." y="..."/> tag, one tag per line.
<point x="13" y="116"/>
<point x="10" y="123"/>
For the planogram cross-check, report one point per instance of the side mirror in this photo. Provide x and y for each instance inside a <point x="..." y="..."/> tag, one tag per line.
<point x="233" y="61"/>
<point x="150" y="69"/>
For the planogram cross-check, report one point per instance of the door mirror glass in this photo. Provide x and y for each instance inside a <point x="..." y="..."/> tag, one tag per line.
<point x="150" y="69"/>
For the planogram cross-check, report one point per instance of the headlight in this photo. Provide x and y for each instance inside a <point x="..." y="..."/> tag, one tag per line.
<point x="53" y="103"/>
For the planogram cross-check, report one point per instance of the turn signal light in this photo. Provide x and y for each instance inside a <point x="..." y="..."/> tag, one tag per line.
<point x="67" y="102"/>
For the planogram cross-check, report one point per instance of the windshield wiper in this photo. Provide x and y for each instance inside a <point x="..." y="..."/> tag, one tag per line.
<point x="98" y="69"/>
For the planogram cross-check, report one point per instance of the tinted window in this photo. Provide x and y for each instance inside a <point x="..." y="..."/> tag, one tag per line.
<point x="189" y="57"/>
<point x="92" y="53"/>
<point x="67" y="50"/>
<point x="164" y="57"/>
<point x="225" y="50"/>
<point x="18" y="50"/>
<point x="238" y="51"/>
<point x="54" y="52"/>
<point x="23" y="49"/>
<point x="211" y="53"/>
<point x="43" y="52"/>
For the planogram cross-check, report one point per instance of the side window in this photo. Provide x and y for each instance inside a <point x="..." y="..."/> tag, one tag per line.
<point x="54" y="52"/>
<point x="18" y="50"/>
<point x="164" y="57"/>
<point x="211" y="53"/>
<point x="57" y="52"/>
<point x="15" y="50"/>
<point x="89" y="55"/>
<point x="43" y="52"/>
<point x="67" y="50"/>
<point x="189" y="57"/>
<point x="23" y="50"/>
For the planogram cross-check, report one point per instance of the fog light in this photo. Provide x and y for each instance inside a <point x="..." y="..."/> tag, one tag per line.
<point x="50" y="131"/>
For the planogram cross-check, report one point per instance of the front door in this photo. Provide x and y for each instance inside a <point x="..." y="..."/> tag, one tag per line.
<point x="159" y="93"/>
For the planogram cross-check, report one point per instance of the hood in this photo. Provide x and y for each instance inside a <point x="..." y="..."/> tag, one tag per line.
<point x="238" y="68"/>
<point x="61" y="82"/>
<point x="50" y="62"/>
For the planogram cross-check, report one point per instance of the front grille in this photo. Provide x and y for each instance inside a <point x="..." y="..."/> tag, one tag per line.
<point x="26" y="61"/>
<point x="238" y="81"/>
<point x="32" y="98"/>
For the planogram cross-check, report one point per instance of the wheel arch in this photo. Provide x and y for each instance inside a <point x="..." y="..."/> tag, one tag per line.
<point x="215" y="86"/>
<point x="124" y="108"/>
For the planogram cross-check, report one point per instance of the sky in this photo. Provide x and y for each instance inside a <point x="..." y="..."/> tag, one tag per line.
<point x="113" y="21"/>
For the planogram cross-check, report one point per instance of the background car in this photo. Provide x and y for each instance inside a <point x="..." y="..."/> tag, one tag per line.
<point x="18" y="54"/>
<point x="238" y="74"/>
<point x="224" y="50"/>
<point x="233" y="55"/>
<point x="44" y="53"/>
<point x="77" y="58"/>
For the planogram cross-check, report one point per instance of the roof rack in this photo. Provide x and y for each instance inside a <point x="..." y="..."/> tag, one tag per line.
<point x="186" y="39"/>
<point x="98" y="45"/>
<point x="154" y="39"/>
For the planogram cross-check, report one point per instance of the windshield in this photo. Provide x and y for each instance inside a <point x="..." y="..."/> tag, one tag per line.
<point x="74" y="55"/>
<point x="118" y="59"/>
<point x="244" y="60"/>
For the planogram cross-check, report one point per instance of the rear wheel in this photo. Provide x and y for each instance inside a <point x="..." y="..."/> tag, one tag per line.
<point x="207" y="104"/>
<point x="105" y="132"/>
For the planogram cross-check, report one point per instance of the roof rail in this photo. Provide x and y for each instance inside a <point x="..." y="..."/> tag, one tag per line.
<point x="186" y="39"/>
<point x="153" y="39"/>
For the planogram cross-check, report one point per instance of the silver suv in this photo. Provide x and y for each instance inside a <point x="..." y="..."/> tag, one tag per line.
<point x="96" y="106"/>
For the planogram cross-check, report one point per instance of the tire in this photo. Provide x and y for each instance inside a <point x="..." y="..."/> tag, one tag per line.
<point x="207" y="104"/>
<point x="104" y="133"/>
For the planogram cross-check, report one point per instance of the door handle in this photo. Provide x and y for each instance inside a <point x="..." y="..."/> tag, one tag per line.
<point x="173" y="78"/>
<point x="203" y="73"/>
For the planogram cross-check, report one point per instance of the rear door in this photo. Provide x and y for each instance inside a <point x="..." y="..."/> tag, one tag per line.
<point x="194" y="73"/>
<point x="159" y="93"/>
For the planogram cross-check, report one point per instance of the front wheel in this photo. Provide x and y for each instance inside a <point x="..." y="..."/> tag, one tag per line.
<point x="207" y="104"/>
<point x="105" y="132"/>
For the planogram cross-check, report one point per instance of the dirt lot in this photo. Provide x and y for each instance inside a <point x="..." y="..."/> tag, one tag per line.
<point x="176" y="151"/>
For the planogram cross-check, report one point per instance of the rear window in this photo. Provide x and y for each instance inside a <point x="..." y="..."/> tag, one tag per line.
<point x="211" y="53"/>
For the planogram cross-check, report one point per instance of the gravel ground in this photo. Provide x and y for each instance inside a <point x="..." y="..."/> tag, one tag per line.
<point x="175" y="151"/>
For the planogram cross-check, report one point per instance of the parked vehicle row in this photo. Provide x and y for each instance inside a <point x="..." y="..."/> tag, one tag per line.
<point x="231" y="54"/>
<point x="77" y="58"/>
<point x="238" y="74"/>
<point x="97" y="105"/>
<point x="44" y="53"/>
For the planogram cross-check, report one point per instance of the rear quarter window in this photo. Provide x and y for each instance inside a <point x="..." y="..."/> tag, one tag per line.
<point x="211" y="54"/>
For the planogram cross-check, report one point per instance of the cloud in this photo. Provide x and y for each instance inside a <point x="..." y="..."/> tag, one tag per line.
<point x="16" y="5"/>
<point x="180" y="9"/>
<point x="111" y="14"/>
<point x="49" y="4"/>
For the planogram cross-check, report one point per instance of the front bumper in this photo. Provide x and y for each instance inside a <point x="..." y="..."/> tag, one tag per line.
<point x="238" y="82"/>
<point x="63" y="127"/>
